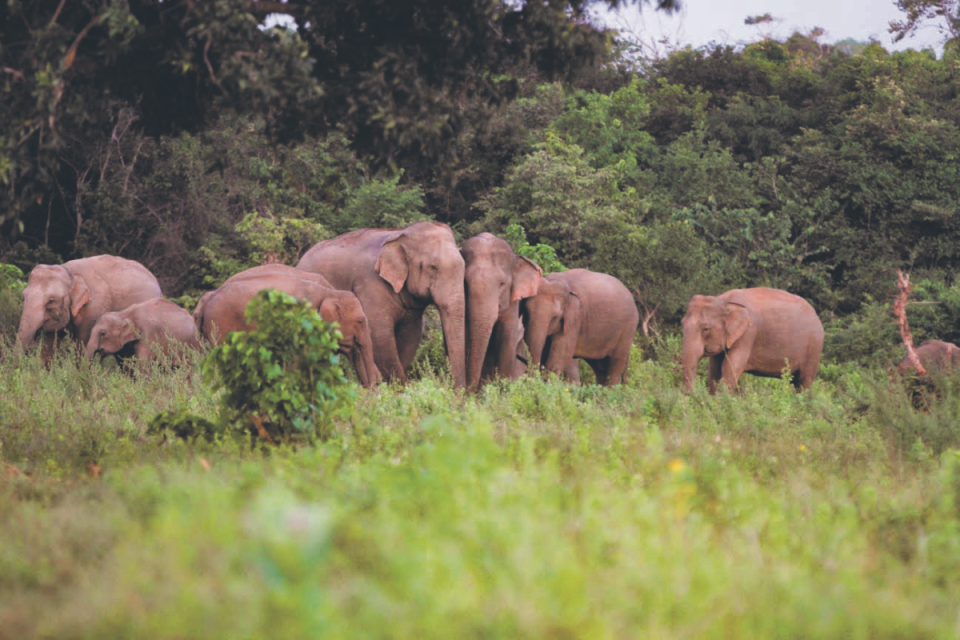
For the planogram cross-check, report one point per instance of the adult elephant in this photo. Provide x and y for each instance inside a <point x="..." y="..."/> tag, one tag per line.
<point x="936" y="356"/>
<point x="73" y="296"/>
<point x="495" y="281"/>
<point x="758" y="331"/>
<point x="396" y="273"/>
<point x="149" y="327"/>
<point x="224" y="311"/>
<point x="583" y="314"/>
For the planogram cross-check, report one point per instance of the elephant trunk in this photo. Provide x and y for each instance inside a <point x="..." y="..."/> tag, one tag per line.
<point x="536" y="339"/>
<point x="452" y="315"/>
<point x="93" y="345"/>
<point x="482" y="311"/>
<point x="363" y="361"/>
<point x="692" y="352"/>
<point x="31" y="321"/>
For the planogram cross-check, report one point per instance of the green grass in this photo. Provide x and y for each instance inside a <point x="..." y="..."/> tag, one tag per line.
<point x="531" y="509"/>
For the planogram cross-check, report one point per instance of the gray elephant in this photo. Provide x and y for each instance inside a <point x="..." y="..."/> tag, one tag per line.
<point x="758" y="331"/>
<point x="74" y="296"/>
<point x="495" y="281"/>
<point x="151" y="327"/>
<point x="936" y="356"/>
<point x="396" y="273"/>
<point x="583" y="314"/>
<point x="224" y="311"/>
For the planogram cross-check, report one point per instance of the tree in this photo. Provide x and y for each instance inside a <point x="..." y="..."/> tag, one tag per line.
<point x="943" y="15"/>
<point x="393" y="76"/>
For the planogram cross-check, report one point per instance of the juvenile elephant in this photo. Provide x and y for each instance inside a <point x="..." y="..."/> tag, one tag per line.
<point x="584" y="314"/>
<point x="224" y="311"/>
<point x="757" y="331"/>
<point x="495" y="281"/>
<point x="936" y="356"/>
<point x="396" y="273"/>
<point x="151" y="326"/>
<point x="74" y="295"/>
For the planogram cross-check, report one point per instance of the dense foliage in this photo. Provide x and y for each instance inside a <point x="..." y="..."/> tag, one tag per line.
<point x="789" y="164"/>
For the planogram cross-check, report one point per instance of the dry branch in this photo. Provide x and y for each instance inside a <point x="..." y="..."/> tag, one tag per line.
<point x="900" y="310"/>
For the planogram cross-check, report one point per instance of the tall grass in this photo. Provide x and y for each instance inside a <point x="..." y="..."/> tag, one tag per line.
<point x="531" y="509"/>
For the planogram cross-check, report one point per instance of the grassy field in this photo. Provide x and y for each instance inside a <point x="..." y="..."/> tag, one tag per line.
<point x="532" y="509"/>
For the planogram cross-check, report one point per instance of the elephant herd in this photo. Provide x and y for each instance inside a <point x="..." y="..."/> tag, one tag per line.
<point x="377" y="283"/>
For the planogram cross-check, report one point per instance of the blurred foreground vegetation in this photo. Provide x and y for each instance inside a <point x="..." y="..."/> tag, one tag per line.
<point x="532" y="509"/>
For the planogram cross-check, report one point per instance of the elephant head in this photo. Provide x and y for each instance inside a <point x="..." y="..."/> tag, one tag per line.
<point x="111" y="333"/>
<point x="495" y="280"/>
<point x="52" y="299"/>
<point x="424" y="260"/>
<point x="356" y="343"/>
<point x="711" y="326"/>
<point x="553" y="313"/>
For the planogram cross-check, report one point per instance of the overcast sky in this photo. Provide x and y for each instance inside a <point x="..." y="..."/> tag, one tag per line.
<point x="704" y="21"/>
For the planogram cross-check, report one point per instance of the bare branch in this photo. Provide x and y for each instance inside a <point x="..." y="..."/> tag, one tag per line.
<point x="900" y="311"/>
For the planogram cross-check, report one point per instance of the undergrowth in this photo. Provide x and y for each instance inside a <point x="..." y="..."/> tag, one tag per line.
<point x="530" y="509"/>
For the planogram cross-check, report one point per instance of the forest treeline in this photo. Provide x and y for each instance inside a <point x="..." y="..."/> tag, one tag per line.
<point x="786" y="164"/>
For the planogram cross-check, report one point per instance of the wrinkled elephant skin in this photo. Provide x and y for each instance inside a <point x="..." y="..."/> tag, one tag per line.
<point x="74" y="296"/>
<point x="581" y="314"/>
<point x="495" y="281"/>
<point x="153" y="327"/>
<point x="224" y="311"/>
<point x="396" y="273"/>
<point x="758" y="331"/>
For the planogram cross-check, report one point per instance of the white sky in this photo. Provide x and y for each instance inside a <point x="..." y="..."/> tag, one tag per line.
<point x="704" y="21"/>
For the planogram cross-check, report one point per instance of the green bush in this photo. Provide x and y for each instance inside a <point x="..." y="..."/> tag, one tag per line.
<point x="12" y="284"/>
<point x="283" y="376"/>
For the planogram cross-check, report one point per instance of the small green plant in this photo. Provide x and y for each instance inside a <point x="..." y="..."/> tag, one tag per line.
<point x="284" y="376"/>
<point x="543" y="254"/>
<point x="11" y="285"/>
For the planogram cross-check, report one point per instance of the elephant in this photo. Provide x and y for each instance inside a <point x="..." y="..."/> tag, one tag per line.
<point x="758" y="331"/>
<point x="152" y="325"/>
<point x="224" y="310"/>
<point x="260" y="271"/>
<point x="74" y="296"/>
<point x="936" y="356"/>
<point x="583" y="314"/>
<point x="495" y="281"/>
<point x="396" y="273"/>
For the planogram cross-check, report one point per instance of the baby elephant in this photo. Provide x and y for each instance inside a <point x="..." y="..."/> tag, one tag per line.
<point x="583" y="314"/>
<point x="149" y="326"/>
<point x="936" y="356"/>
<point x="223" y="311"/>
<point x="757" y="331"/>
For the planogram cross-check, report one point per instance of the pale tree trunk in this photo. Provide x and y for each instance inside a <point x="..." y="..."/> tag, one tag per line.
<point x="900" y="311"/>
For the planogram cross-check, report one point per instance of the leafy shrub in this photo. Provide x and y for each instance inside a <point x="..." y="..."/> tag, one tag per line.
<point x="11" y="284"/>
<point x="543" y="254"/>
<point x="284" y="376"/>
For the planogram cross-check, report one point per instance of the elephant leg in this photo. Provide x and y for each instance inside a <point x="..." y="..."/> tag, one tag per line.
<point x="572" y="372"/>
<point x="409" y="336"/>
<point x="714" y="372"/>
<point x="617" y="366"/>
<point x="808" y="373"/>
<point x="385" y="352"/>
<point x="733" y="367"/>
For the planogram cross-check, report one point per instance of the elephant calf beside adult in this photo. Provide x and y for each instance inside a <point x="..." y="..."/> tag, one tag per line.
<point x="396" y="273"/>
<point x="224" y="310"/>
<point x="151" y="327"/>
<point x="73" y="296"/>
<point x="584" y="314"/>
<point x="758" y="331"/>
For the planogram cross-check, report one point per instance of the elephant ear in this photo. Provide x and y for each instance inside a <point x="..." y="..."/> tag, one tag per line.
<point x="736" y="323"/>
<point x="526" y="279"/>
<point x="330" y="310"/>
<point x="128" y="333"/>
<point x="79" y="295"/>
<point x="392" y="263"/>
<point x="571" y="314"/>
